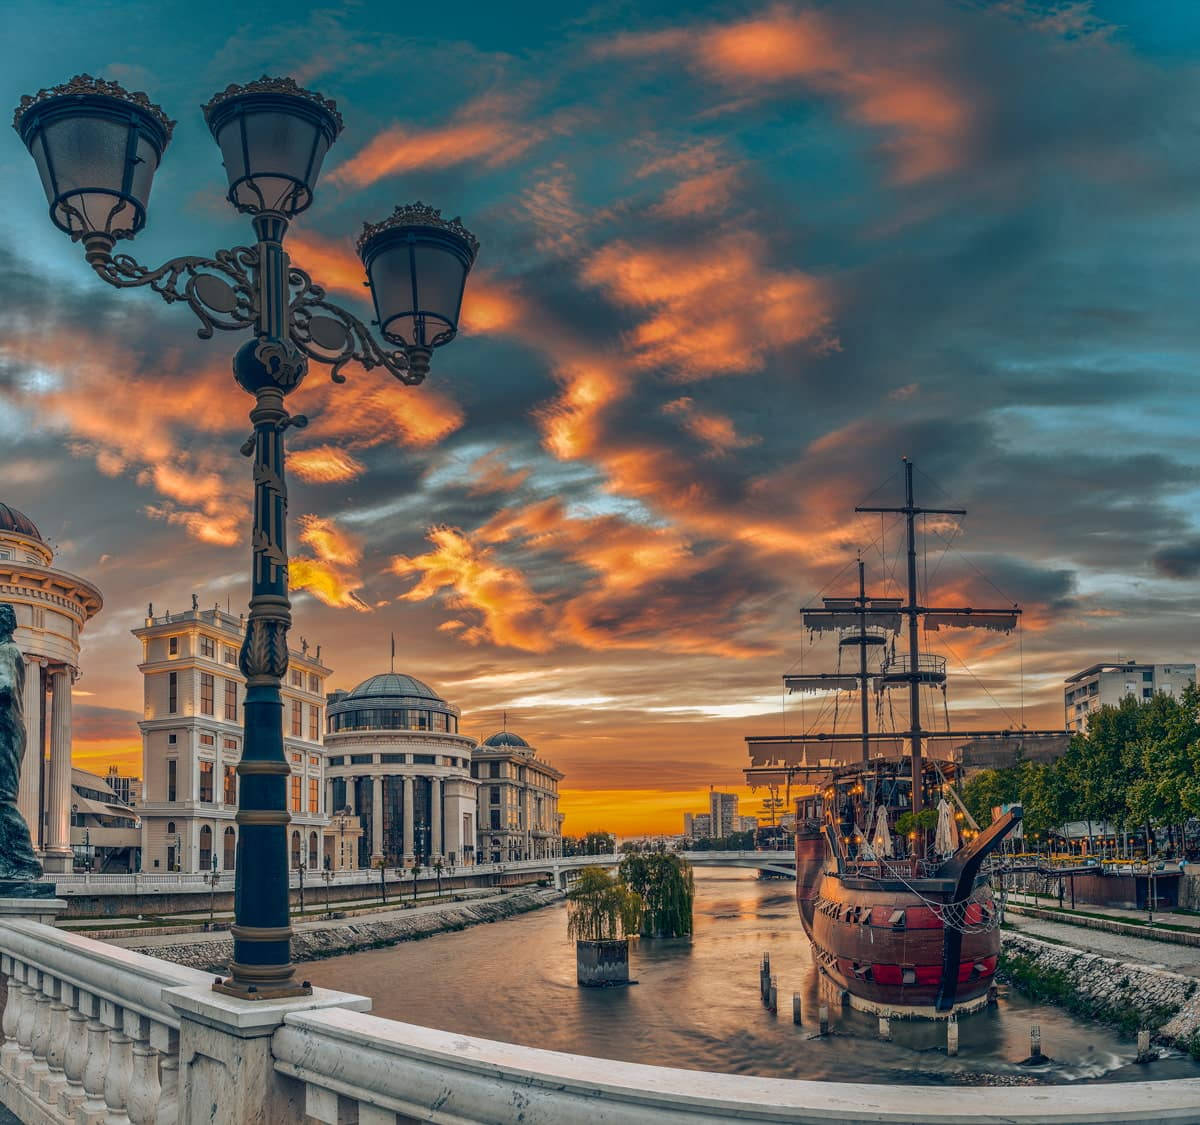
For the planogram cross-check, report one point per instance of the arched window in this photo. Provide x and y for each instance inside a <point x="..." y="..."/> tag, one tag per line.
<point x="230" y="849"/>
<point x="313" y="860"/>
<point x="170" y="828"/>
<point x="295" y="850"/>
<point x="206" y="852"/>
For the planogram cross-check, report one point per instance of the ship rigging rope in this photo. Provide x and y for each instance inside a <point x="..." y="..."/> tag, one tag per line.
<point x="954" y="914"/>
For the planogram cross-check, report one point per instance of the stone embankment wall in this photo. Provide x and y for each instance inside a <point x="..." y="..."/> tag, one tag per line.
<point x="332" y="941"/>
<point x="1127" y="996"/>
<point x="1108" y="925"/>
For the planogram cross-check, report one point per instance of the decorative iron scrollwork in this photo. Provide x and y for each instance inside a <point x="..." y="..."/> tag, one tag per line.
<point x="331" y="335"/>
<point x="219" y="290"/>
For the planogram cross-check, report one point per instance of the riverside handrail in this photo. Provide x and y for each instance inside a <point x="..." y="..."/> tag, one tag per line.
<point x="87" y="1033"/>
<point x="383" y="1071"/>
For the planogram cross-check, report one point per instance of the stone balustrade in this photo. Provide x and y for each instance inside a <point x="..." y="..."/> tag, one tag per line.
<point x="88" y="1034"/>
<point x="96" y="1035"/>
<point x="359" y="1068"/>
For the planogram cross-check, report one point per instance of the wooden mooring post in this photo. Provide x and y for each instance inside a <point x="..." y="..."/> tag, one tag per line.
<point x="885" y="1027"/>
<point x="796" y="1008"/>
<point x="823" y="1018"/>
<point x="773" y="994"/>
<point x="1035" y="1043"/>
<point x="952" y="1036"/>
<point x="1143" y="1046"/>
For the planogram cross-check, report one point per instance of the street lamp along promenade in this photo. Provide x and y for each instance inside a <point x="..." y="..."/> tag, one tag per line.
<point x="97" y="147"/>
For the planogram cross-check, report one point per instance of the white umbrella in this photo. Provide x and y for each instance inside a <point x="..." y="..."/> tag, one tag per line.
<point x="946" y="840"/>
<point x="881" y="842"/>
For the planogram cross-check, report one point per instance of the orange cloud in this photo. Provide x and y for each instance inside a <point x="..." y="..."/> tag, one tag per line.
<point x="692" y="327"/>
<point x="512" y="614"/>
<point x="491" y="473"/>
<point x="714" y="430"/>
<point x="324" y="464"/>
<point x="884" y="83"/>
<point x="330" y="574"/>
<point x="488" y="129"/>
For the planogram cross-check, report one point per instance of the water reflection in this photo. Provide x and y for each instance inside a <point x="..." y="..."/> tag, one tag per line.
<point x="696" y="1004"/>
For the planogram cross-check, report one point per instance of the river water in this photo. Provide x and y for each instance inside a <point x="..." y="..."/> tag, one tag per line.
<point x="696" y="1004"/>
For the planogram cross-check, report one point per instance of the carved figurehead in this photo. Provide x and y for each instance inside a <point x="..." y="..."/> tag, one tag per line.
<point x="17" y="860"/>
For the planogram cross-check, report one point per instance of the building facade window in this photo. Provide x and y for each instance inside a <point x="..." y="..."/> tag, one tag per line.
<point x="230" y="794"/>
<point x="173" y="646"/>
<point x="206" y="693"/>
<point x="296" y="793"/>
<point x="206" y="784"/>
<point x="231" y="700"/>
<point x="172" y="693"/>
<point x="314" y="795"/>
<point x="206" y="852"/>
<point x="230" y="856"/>
<point x="297" y="718"/>
<point x="230" y="655"/>
<point x="314" y="722"/>
<point x="208" y="740"/>
<point x="172" y="776"/>
<point x="314" y="682"/>
<point x="208" y="647"/>
<point x="172" y="738"/>
<point x="297" y="678"/>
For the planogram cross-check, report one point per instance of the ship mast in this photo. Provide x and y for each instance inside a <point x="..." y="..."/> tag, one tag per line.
<point x="913" y="612"/>
<point x="862" y="660"/>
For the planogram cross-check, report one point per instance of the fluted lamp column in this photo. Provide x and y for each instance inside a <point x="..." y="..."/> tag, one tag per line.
<point x="59" y="854"/>
<point x="97" y="147"/>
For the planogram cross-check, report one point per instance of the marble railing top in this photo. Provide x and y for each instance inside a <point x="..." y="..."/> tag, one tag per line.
<point x="395" y="1064"/>
<point x="131" y="980"/>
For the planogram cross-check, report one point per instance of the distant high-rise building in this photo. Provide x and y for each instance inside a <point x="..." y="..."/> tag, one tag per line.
<point x="701" y="826"/>
<point x="689" y="825"/>
<point x="1103" y="685"/>
<point x="723" y="813"/>
<point x="747" y="824"/>
<point x="129" y="789"/>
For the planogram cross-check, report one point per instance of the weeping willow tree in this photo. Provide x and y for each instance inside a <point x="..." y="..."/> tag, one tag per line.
<point x="602" y="907"/>
<point x="667" y="888"/>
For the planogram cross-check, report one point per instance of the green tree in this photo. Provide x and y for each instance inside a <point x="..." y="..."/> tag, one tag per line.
<point x="601" y="907"/>
<point x="665" y="884"/>
<point x="989" y="789"/>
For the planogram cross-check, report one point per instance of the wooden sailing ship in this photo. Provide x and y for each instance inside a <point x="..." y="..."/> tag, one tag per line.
<point x="900" y="914"/>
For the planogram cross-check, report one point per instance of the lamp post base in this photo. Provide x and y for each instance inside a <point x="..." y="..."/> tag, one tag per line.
<point x="251" y="990"/>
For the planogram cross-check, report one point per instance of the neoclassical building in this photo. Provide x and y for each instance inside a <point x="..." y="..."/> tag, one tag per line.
<point x="396" y="760"/>
<point x="192" y="743"/>
<point x="518" y="801"/>
<point x="52" y="608"/>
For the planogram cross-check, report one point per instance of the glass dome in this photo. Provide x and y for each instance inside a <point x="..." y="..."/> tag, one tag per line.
<point x="393" y="701"/>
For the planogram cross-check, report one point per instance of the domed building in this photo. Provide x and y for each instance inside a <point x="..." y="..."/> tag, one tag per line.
<point x="52" y="608"/>
<point x="518" y="801"/>
<point x="397" y="761"/>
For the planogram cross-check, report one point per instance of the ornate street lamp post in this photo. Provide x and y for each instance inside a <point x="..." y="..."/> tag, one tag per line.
<point x="97" y="147"/>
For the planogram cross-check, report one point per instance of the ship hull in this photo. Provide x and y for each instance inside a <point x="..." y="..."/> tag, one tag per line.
<point x="886" y="948"/>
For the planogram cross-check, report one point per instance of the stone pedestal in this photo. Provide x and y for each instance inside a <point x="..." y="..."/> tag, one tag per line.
<point x="602" y="963"/>
<point x="226" y="1070"/>
<point x="35" y="901"/>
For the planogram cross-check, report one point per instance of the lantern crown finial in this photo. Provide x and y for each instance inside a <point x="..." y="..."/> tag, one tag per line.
<point x="418" y="215"/>
<point x="85" y="84"/>
<point x="268" y="85"/>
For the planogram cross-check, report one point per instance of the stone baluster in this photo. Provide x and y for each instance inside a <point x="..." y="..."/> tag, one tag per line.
<point x="40" y="1040"/>
<point x="24" y="1057"/>
<point x="166" y="1041"/>
<point x="92" y="1112"/>
<point x="81" y="1005"/>
<point x="120" y="1064"/>
<point x="144" y="1085"/>
<point x="55" y="1081"/>
<point x="12" y="1014"/>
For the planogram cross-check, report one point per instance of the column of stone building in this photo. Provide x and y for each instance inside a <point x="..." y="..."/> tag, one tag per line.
<point x="408" y="821"/>
<point x="376" y="819"/>
<point x="58" y="827"/>
<point x="435" y="801"/>
<point x="27" y="794"/>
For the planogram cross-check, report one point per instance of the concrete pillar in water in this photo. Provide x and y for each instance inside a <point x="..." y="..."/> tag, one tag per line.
<point x="885" y="1027"/>
<point x="844" y="997"/>
<point x="796" y="1008"/>
<point x="773" y="994"/>
<point x="823" y="1018"/>
<point x="952" y="1036"/>
<point x="1035" y="1042"/>
<point x="1143" y="1046"/>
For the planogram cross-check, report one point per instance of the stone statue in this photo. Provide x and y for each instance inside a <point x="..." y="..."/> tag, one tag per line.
<point x="17" y="860"/>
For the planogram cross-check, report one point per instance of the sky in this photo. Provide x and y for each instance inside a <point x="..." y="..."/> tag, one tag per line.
<point x="736" y="262"/>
